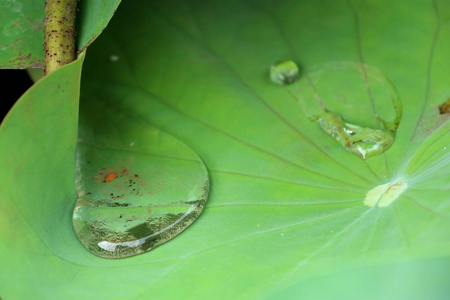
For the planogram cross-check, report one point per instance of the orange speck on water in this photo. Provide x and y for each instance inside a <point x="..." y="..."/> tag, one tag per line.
<point x="110" y="177"/>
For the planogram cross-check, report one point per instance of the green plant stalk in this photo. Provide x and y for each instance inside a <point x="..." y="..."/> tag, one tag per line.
<point x="59" y="33"/>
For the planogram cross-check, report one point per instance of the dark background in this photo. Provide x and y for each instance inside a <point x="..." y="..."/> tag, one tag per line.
<point x="14" y="83"/>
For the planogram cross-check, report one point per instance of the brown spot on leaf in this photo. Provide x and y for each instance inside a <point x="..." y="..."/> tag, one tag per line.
<point x="21" y="58"/>
<point x="445" y="107"/>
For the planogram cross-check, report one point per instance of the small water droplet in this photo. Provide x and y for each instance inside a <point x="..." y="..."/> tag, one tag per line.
<point x="284" y="72"/>
<point x="114" y="58"/>
<point x="282" y="234"/>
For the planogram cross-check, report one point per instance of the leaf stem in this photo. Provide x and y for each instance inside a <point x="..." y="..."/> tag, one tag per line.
<point x="59" y="33"/>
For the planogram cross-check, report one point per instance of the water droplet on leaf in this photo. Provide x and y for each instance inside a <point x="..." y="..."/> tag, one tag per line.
<point x="133" y="197"/>
<point x="362" y="141"/>
<point x="284" y="72"/>
<point x="335" y="93"/>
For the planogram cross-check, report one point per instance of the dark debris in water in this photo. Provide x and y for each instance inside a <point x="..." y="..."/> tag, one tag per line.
<point x="444" y="108"/>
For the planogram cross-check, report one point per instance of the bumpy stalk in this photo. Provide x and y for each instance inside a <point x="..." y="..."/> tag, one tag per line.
<point x="59" y="33"/>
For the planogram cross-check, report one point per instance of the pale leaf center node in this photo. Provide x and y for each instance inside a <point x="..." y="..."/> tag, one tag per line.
<point x="383" y="195"/>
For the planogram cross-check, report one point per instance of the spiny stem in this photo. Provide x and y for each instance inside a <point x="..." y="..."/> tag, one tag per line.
<point x="59" y="33"/>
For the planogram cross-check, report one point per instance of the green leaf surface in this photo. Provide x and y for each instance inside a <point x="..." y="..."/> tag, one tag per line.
<point x="286" y="207"/>
<point x="37" y="162"/>
<point x="22" y="23"/>
<point x="377" y="282"/>
<point x="92" y="19"/>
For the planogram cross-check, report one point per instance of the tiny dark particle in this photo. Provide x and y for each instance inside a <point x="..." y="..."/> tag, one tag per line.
<point x="445" y="108"/>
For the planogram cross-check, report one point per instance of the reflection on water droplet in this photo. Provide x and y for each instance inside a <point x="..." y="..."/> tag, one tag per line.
<point x="336" y="92"/>
<point x="383" y="195"/>
<point x="284" y="72"/>
<point x="112" y="247"/>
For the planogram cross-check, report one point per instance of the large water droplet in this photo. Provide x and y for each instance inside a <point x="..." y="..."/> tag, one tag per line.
<point x="336" y="93"/>
<point x="284" y="72"/>
<point x="137" y="187"/>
